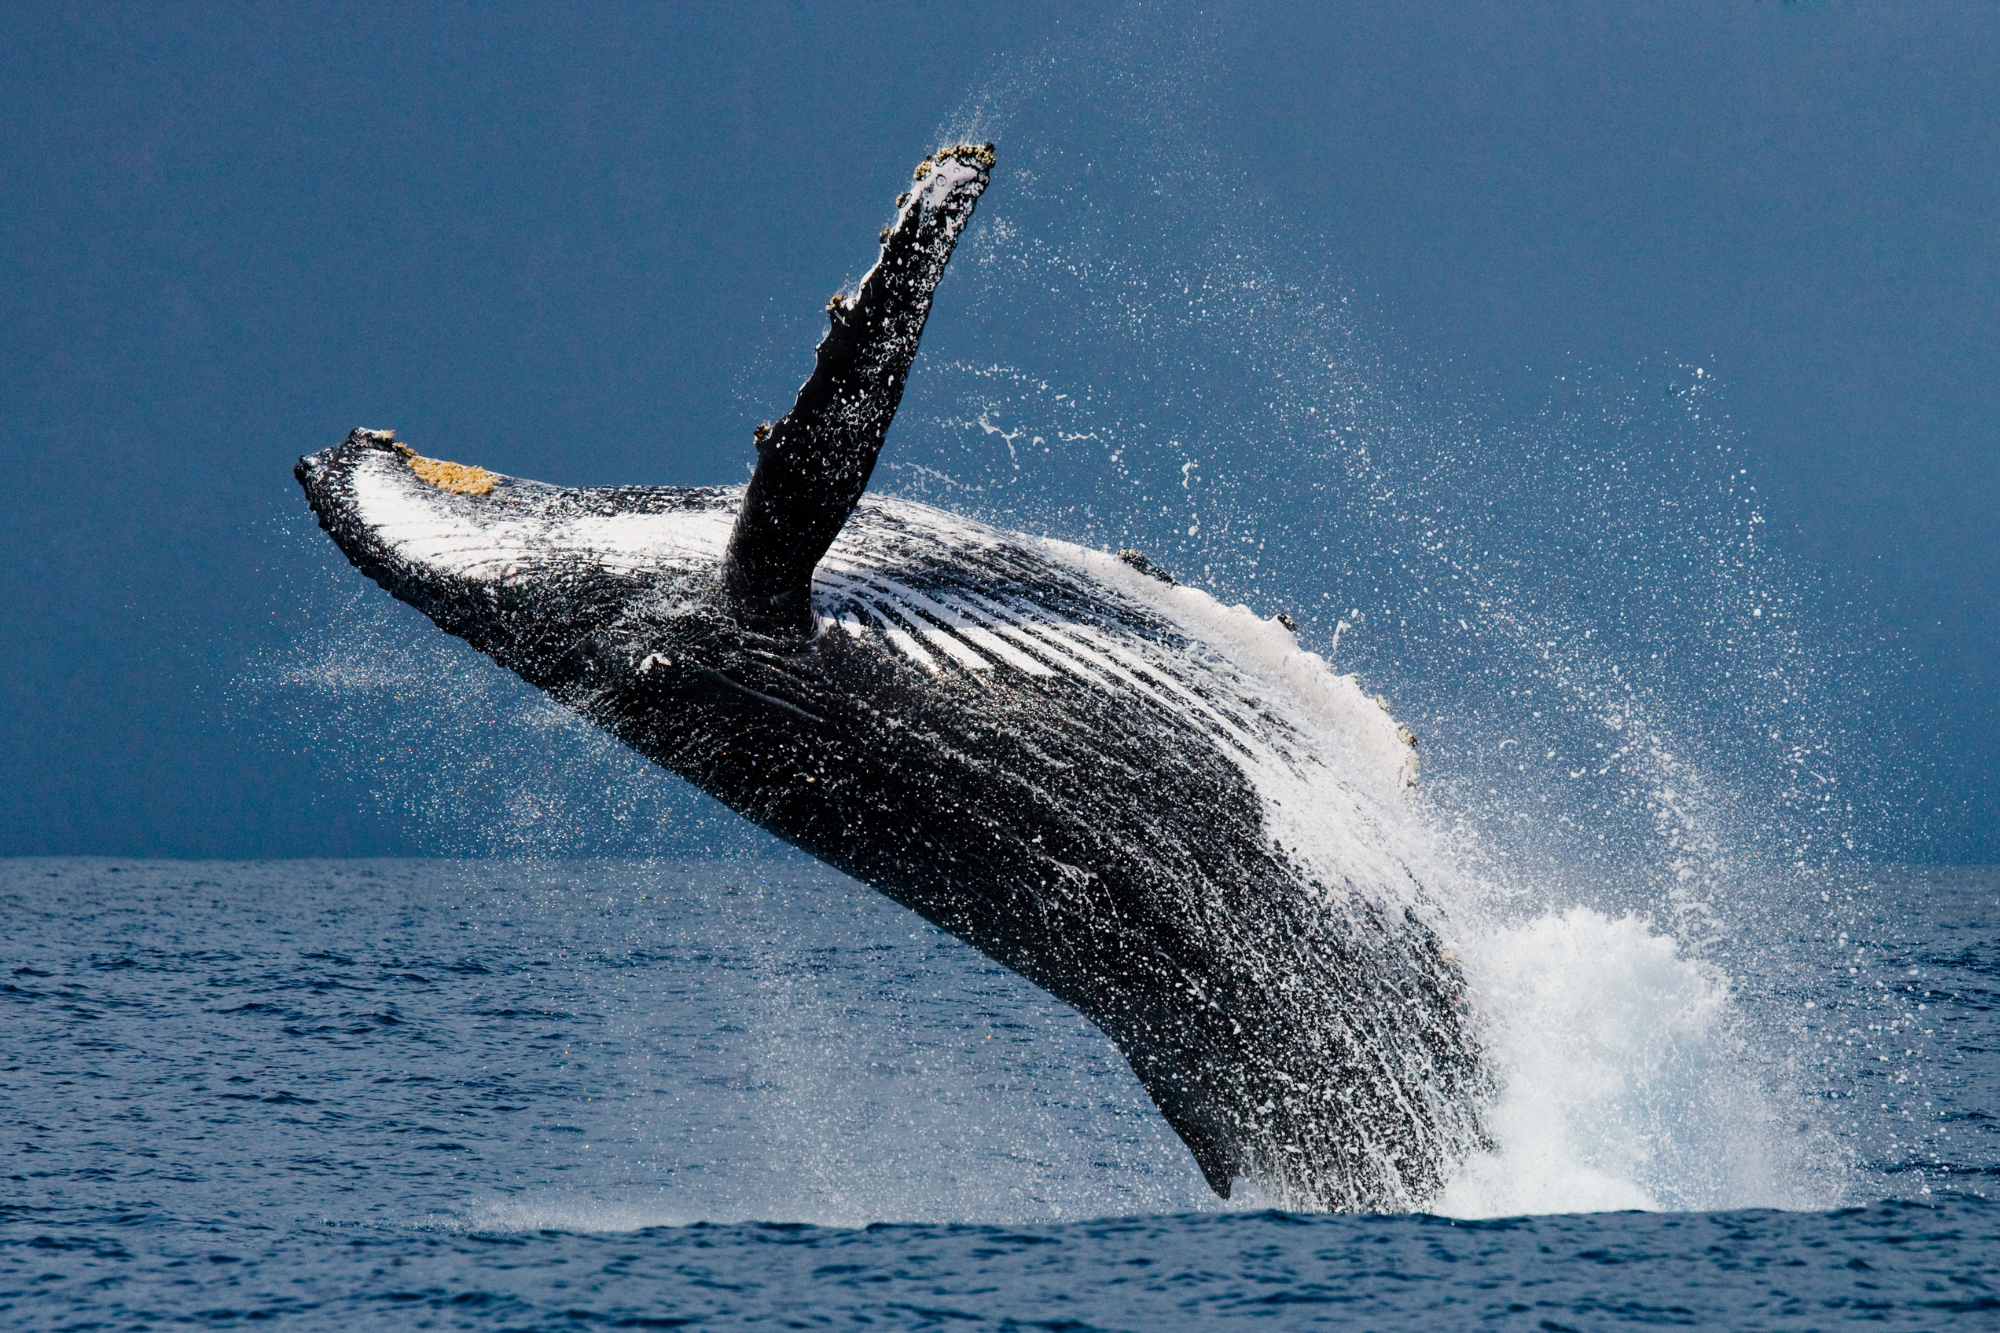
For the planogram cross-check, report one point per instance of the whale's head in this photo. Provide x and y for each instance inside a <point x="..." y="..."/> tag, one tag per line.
<point x="523" y="570"/>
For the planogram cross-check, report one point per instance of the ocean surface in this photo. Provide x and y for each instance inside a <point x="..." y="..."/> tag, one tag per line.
<point x="734" y="1093"/>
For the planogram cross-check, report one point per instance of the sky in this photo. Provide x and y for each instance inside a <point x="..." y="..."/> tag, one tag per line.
<point x="1493" y="244"/>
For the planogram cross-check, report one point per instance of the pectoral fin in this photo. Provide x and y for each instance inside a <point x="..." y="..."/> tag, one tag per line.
<point x="813" y="465"/>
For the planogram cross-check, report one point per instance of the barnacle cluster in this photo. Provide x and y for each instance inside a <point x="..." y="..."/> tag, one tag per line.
<point x="980" y="153"/>
<point x="457" y="478"/>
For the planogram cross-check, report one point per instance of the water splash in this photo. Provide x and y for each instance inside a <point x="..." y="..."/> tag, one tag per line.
<point x="433" y="735"/>
<point x="1623" y="1083"/>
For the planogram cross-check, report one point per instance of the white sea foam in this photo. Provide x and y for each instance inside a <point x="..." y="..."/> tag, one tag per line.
<point x="574" y="1212"/>
<point x="1621" y="1079"/>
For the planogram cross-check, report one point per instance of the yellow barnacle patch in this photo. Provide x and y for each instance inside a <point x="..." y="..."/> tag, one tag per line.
<point x="458" y="478"/>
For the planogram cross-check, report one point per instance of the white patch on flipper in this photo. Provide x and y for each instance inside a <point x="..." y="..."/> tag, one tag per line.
<point x="939" y="182"/>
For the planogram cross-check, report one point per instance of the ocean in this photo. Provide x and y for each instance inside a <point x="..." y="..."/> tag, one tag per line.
<point x="735" y="1093"/>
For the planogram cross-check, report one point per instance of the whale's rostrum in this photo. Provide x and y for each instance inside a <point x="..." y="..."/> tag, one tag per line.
<point x="1157" y="808"/>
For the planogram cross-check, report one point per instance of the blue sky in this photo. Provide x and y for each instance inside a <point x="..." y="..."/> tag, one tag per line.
<point x="590" y="244"/>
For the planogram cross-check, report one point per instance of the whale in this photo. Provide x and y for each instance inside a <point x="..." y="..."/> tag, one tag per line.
<point x="1158" y="808"/>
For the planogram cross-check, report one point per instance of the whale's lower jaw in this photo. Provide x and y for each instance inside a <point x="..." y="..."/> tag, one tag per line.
<point x="527" y="573"/>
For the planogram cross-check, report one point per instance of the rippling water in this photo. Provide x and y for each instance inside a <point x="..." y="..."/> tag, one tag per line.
<point x="517" y="1095"/>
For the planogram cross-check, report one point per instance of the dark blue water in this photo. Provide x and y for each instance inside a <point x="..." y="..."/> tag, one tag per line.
<point x="461" y="1094"/>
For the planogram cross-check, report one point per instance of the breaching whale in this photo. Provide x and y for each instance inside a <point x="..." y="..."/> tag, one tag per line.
<point x="1157" y="808"/>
